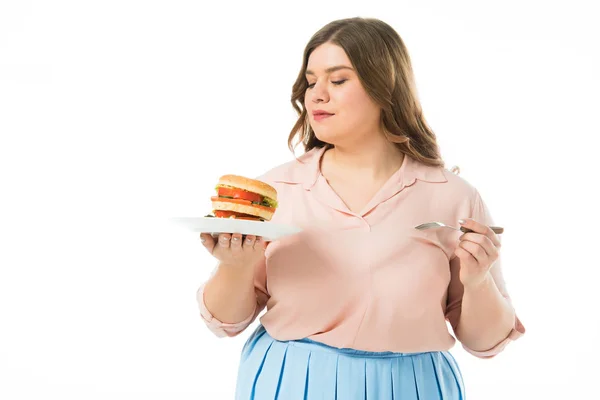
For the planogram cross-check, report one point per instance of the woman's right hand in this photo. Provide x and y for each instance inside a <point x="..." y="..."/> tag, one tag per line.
<point x="235" y="250"/>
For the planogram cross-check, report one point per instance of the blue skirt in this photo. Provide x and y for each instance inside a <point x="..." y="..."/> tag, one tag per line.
<point x="308" y="370"/>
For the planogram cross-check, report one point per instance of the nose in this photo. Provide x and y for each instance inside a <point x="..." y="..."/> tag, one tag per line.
<point x="319" y="93"/>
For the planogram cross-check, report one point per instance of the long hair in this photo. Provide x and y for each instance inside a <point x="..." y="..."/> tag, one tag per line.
<point x="383" y="66"/>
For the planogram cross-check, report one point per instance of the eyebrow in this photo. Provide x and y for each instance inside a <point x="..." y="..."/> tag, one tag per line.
<point x="330" y="69"/>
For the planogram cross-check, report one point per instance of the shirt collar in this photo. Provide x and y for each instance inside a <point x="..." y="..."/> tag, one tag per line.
<point x="306" y="171"/>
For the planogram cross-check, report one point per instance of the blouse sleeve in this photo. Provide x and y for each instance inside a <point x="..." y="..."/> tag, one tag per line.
<point x="224" y="329"/>
<point x="481" y="214"/>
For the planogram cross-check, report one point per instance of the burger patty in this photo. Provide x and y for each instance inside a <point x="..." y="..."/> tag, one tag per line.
<point x="242" y="206"/>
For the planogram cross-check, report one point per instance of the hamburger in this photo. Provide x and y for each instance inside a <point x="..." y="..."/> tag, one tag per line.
<point x="244" y="198"/>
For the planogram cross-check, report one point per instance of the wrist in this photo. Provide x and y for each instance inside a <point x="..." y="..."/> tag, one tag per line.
<point x="479" y="284"/>
<point x="240" y="268"/>
<point x="229" y="265"/>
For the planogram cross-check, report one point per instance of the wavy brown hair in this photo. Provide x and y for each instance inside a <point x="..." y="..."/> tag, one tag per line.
<point x="383" y="66"/>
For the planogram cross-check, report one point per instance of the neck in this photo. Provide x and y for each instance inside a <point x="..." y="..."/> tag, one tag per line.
<point x="374" y="159"/>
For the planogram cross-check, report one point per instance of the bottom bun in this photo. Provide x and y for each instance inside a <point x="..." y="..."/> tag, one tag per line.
<point x="243" y="208"/>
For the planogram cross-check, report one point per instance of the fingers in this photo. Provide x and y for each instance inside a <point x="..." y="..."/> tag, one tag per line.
<point x="255" y="243"/>
<point x="481" y="243"/>
<point x="207" y="241"/>
<point x="480" y="228"/>
<point x="475" y="250"/>
<point x="224" y="240"/>
<point x="478" y="252"/>
<point x="236" y="242"/>
<point x="477" y="238"/>
<point x="250" y="242"/>
<point x="465" y="256"/>
<point x="264" y="244"/>
<point x="261" y="244"/>
<point x="241" y="242"/>
<point x="470" y="223"/>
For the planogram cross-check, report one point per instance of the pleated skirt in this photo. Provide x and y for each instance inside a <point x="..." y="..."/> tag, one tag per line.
<point x="308" y="370"/>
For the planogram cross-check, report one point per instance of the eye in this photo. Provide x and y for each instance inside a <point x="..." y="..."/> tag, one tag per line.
<point x="337" y="83"/>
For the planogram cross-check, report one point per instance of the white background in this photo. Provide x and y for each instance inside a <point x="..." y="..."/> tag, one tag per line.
<point x="116" y="115"/>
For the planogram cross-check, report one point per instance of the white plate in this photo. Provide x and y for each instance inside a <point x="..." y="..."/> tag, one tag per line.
<point x="268" y="230"/>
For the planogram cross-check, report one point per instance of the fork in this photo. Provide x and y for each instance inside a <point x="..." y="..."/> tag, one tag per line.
<point x="429" y="225"/>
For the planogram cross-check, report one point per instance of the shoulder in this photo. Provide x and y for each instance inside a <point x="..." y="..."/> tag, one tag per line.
<point x="458" y="184"/>
<point x="455" y="190"/>
<point x="461" y="193"/>
<point x="446" y="182"/>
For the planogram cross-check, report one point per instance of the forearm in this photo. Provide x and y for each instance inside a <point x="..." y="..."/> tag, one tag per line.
<point x="486" y="317"/>
<point x="229" y="295"/>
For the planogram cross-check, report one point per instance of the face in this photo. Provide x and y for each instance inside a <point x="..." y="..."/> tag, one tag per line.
<point x="334" y="87"/>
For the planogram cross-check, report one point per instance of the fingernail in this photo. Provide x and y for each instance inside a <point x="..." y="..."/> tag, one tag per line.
<point x="461" y="221"/>
<point x="235" y="239"/>
<point x="224" y="239"/>
<point x="248" y="240"/>
<point x="202" y="240"/>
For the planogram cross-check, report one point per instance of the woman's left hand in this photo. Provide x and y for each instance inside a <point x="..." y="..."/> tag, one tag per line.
<point x="477" y="251"/>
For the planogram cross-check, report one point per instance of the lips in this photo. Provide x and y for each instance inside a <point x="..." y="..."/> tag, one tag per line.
<point x="321" y="117"/>
<point x="318" y="115"/>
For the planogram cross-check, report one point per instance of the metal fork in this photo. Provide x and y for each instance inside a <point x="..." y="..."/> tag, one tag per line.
<point x="429" y="225"/>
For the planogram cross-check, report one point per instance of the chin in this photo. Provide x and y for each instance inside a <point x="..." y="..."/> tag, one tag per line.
<point x="328" y="137"/>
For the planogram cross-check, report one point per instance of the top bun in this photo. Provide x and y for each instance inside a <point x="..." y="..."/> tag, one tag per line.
<point x="251" y="185"/>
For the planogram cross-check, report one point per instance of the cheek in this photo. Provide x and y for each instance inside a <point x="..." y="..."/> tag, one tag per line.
<point x="358" y="106"/>
<point x="349" y="98"/>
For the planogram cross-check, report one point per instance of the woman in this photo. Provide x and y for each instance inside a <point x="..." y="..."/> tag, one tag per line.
<point x="357" y="303"/>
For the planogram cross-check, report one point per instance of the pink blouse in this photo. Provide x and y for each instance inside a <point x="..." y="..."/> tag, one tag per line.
<point x="366" y="280"/>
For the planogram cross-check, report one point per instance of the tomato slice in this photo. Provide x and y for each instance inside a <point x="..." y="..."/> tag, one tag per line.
<point x="240" y="194"/>
<point x="236" y="215"/>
